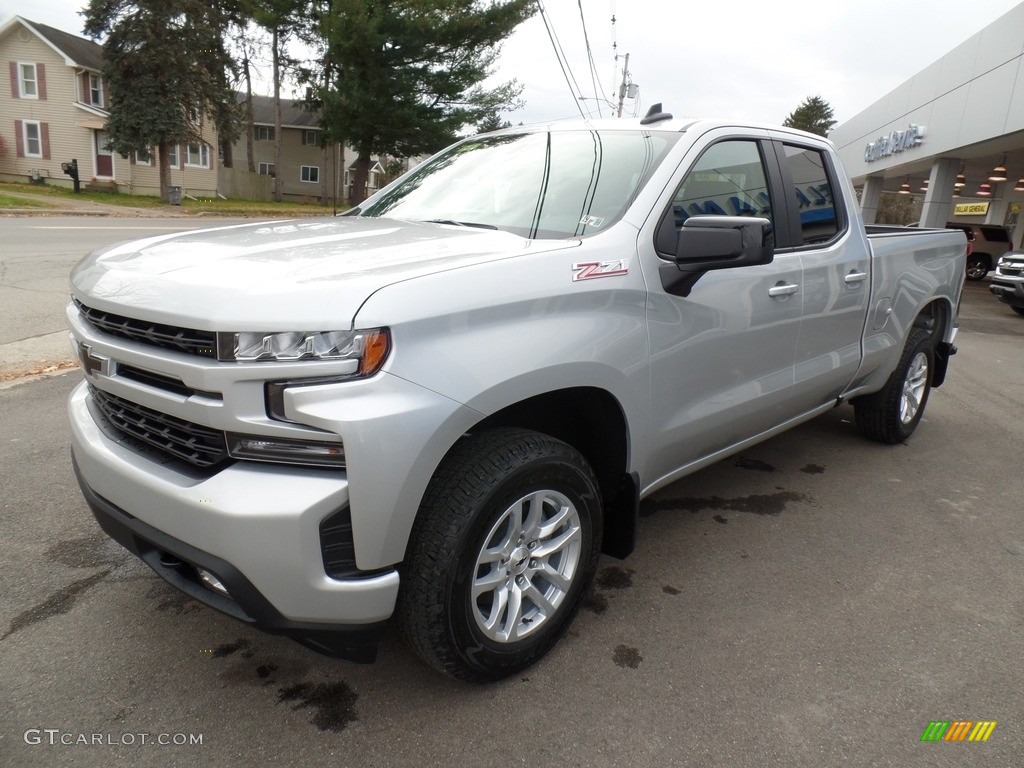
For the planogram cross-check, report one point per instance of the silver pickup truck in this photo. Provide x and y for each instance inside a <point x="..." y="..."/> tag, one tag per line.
<point x="444" y="405"/>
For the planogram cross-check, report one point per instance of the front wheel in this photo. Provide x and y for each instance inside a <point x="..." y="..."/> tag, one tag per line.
<point x="505" y="543"/>
<point x="892" y="414"/>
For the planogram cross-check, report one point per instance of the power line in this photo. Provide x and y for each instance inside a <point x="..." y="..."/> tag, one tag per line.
<point x="590" y="57"/>
<point x="563" y="63"/>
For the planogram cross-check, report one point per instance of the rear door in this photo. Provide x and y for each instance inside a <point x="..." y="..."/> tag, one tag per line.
<point x="836" y="266"/>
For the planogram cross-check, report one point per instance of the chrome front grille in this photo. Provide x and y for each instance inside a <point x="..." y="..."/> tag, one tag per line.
<point x="1013" y="269"/>
<point x="187" y="340"/>
<point x="198" y="445"/>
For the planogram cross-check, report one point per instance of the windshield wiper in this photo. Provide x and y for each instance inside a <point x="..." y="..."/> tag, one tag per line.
<point x="454" y="223"/>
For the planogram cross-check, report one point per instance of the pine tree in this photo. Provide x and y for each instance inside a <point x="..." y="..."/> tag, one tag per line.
<point x="814" y="115"/>
<point x="405" y="76"/>
<point x="163" y="60"/>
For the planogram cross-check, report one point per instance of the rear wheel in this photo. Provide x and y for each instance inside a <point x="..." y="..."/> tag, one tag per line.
<point x="977" y="267"/>
<point x="505" y="543"/>
<point x="892" y="414"/>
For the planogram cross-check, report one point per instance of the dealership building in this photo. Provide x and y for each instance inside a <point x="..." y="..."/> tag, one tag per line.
<point x="952" y="134"/>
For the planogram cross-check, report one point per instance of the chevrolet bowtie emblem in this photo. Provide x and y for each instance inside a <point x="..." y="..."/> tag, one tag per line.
<point x="93" y="362"/>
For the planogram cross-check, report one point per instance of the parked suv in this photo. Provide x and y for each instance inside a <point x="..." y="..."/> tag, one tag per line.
<point x="988" y="243"/>
<point x="1008" y="281"/>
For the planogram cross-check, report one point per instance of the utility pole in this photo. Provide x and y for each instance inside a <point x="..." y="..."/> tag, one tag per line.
<point x="622" y="88"/>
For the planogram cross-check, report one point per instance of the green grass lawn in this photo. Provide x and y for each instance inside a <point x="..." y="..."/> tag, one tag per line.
<point x="44" y="192"/>
<point x="12" y="201"/>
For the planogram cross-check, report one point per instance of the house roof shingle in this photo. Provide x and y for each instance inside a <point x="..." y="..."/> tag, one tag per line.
<point x="82" y="51"/>
<point x="292" y="113"/>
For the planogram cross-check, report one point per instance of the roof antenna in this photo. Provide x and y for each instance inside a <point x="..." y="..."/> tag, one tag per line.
<point x="655" y="115"/>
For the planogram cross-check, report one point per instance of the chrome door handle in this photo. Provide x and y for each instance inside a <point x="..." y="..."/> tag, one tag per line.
<point x="855" y="277"/>
<point x="783" y="289"/>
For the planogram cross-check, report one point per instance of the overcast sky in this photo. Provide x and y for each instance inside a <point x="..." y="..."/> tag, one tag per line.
<point x="736" y="59"/>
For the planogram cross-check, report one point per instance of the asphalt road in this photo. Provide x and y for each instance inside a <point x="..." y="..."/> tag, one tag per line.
<point x="36" y="255"/>
<point x="817" y="601"/>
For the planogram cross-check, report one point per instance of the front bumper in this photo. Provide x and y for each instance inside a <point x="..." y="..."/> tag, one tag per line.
<point x="255" y="526"/>
<point x="1007" y="290"/>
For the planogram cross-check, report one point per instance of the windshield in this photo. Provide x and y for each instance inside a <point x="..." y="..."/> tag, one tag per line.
<point x="538" y="185"/>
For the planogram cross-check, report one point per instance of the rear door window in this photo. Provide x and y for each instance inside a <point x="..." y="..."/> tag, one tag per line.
<point x="814" y="195"/>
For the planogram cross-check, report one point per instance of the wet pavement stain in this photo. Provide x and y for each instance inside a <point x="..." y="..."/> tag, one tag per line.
<point x="263" y="671"/>
<point x="229" y="648"/>
<point x="627" y="656"/>
<point x="595" y="602"/>
<point x="86" y="552"/>
<point x="334" y="703"/>
<point x="668" y="589"/>
<point x="754" y="464"/>
<point x="757" y="504"/>
<point x="720" y="519"/>
<point x="173" y="601"/>
<point x="614" y="577"/>
<point x="59" y="602"/>
<point x="813" y="469"/>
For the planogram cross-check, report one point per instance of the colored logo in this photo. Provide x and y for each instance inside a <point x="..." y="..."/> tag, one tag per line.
<point x="958" y="730"/>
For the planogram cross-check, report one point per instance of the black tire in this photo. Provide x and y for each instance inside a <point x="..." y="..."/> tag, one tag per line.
<point x="1018" y="310"/>
<point x="892" y="414"/>
<point x="466" y="535"/>
<point x="977" y="267"/>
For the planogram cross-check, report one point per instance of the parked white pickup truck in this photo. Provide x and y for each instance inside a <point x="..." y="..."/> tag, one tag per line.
<point x="445" y="404"/>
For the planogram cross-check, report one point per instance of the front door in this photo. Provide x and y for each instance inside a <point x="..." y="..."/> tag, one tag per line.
<point x="104" y="157"/>
<point x="722" y="357"/>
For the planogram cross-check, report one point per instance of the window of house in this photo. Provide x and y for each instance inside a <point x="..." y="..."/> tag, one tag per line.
<point x="33" y="138"/>
<point x="263" y="132"/>
<point x="266" y="169"/>
<point x="310" y="138"/>
<point x="28" y="85"/>
<point x="310" y="173"/>
<point x="143" y="157"/>
<point x="193" y="115"/>
<point x="95" y="90"/>
<point x="197" y="156"/>
<point x="172" y="156"/>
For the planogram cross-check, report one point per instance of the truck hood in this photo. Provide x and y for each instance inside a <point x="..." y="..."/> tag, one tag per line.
<point x="310" y="274"/>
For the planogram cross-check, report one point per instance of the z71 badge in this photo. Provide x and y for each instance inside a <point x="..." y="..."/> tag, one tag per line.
<point x="590" y="270"/>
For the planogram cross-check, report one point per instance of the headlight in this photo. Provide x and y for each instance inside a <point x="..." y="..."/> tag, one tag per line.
<point x="367" y="349"/>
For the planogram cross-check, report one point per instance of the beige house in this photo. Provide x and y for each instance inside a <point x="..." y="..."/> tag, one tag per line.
<point x="53" y="109"/>
<point x="307" y="170"/>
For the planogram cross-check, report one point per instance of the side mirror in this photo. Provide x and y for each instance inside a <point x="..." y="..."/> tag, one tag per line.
<point x="708" y="243"/>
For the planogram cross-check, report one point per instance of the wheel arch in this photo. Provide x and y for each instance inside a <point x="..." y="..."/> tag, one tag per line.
<point x="592" y="421"/>
<point x="936" y="317"/>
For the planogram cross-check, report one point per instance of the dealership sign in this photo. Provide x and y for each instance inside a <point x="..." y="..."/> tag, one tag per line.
<point x="897" y="141"/>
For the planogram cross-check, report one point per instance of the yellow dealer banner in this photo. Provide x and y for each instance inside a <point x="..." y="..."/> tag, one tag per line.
<point x="970" y="209"/>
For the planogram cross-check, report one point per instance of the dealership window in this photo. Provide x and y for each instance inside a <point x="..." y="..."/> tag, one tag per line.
<point x="28" y="83"/>
<point x="263" y="132"/>
<point x="266" y="169"/>
<point x="197" y="156"/>
<point x="310" y="173"/>
<point x="310" y="138"/>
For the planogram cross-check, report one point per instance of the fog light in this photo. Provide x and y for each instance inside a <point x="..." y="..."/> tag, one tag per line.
<point x="282" y="450"/>
<point x="211" y="582"/>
